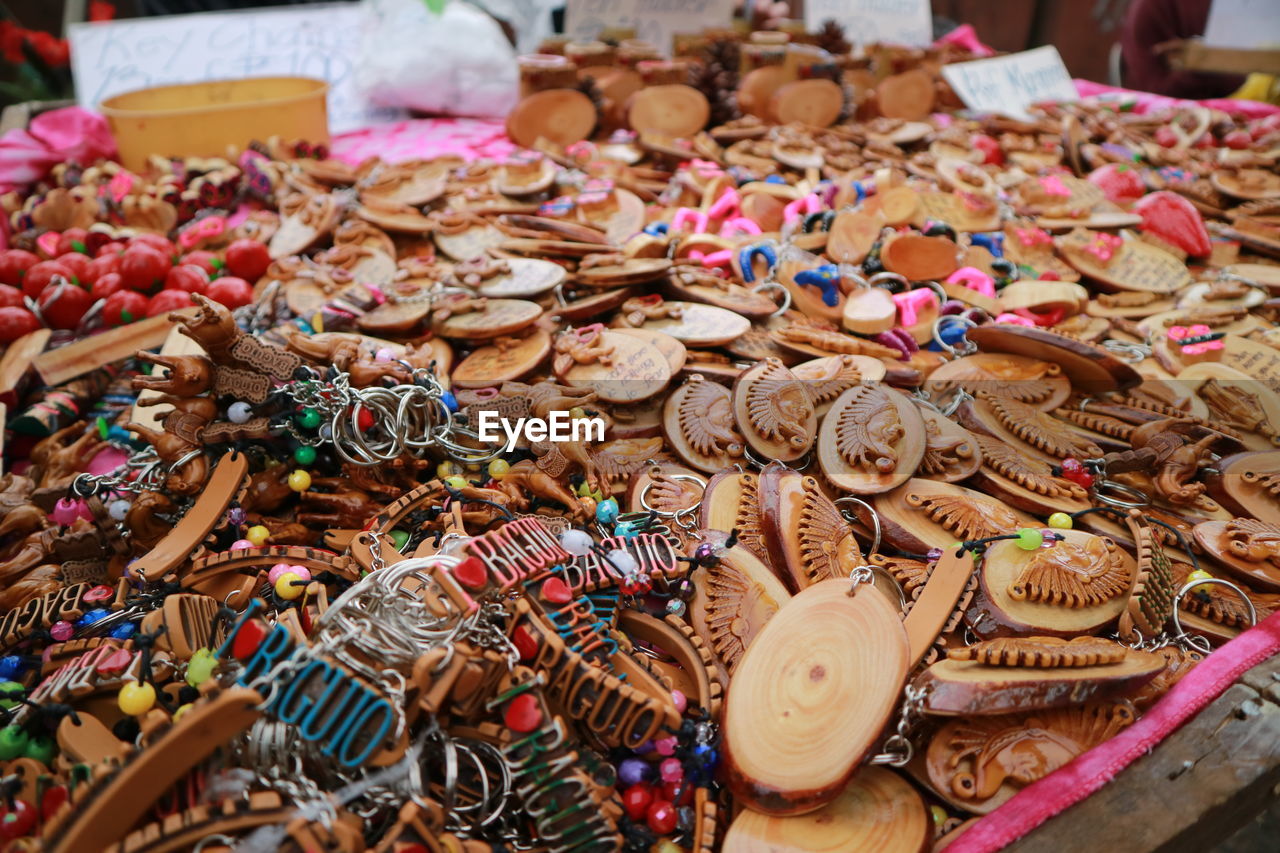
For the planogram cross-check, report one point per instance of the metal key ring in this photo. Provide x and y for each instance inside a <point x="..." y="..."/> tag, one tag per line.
<point x="1137" y="499"/>
<point x="875" y="519"/>
<point x="773" y="285"/>
<point x="684" y="478"/>
<point x="1189" y="585"/>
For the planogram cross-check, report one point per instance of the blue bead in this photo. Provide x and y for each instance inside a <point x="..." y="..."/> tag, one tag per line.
<point x="304" y="326"/>
<point x="653" y="229"/>
<point x="92" y="616"/>
<point x="124" y="632"/>
<point x="775" y="179"/>
<point x="10" y="667"/>
<point x="633" y="771"/>
<point x="450" y="401"/>
<point x="952" y="333"/>
<point x="607" y="511"/>
<point x="117" y="433"/>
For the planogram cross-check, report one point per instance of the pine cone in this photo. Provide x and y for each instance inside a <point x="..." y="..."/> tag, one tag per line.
<point x="717" y="78"/>
<point x="831" y="39"/>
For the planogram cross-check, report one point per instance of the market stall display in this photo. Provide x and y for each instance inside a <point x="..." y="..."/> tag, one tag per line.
<point x="817" y="477"/>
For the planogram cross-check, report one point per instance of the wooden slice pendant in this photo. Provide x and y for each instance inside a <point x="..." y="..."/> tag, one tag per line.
<point x="492" y="365"/>
<point x="755" y="91"/>
<point x="774" y="412"/>
<point x="721" y="294"/>
<point x="732" y="502"/>
<point x="851" y="236"/>
<point x="561" y="116"/>
<point x="497" y="317"/>
<point x="1027" y="429"/>
<point x="906" y="96"/>
<point x="827" y="378"/>
<point x="869" y="311"/>
<point x="877" y="811"/>
<point x="673" y="110"/>
<point x="970" y="687"/>
<point x="697" y="419"/>
<point x="951" y="452"/>
<point x="470" y="242"/>
<point x="1090" y="368"/>
<point x="1028" y="380"/>
<point x="633" y="271"/>
<point x="807" y="539"/>
<point x="701" y="325"/>
<point x="594" y="305"/>
<point x="1130" y="266"/>
<point x="627" y="369"/>
<point x="1079" y="586"/>
<point x="524" y="278"/>
<point x="1024" y="481"/>
<point x="1237" y="401"/>
<point x="810" y="697"/>
<point x="922" y="514"/>
<point x="964" y="212"/>
<point x="814" y="102"/>
<point x="919" y="258"/>
<point x="735" y="599"/>
<point x="871" y="440"/>
<point x="1246" y="547"/>
<point x="672" y="350"/>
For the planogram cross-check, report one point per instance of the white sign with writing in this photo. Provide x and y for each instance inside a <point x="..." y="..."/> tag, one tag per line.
<point x="322" y="41"/>
<point x="655" y="21"/>
<point x="1244" y="24"/>
<point x="908" y="22"/>
<point x="1010" y="84"/>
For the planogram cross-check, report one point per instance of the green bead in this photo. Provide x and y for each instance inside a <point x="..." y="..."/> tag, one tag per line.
<point x="1029" y="539"/>
<point x="41" y="749"/>
<point x="13" y="743"/>
<point x="200" y="667"/>
<point x="304" y="455"/>
<point x="309" y="419"/>
<point x="456" y="482"/>
<point x="7" y="687"/>
<point x="399" y="538"/>
<point x="1061" y="521"/>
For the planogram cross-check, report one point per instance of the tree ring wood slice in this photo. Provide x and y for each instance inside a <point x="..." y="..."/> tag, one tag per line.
<point x="878" y="811"/>
<point x="1090" y="368"/>
<point x="871" y="440"/>
<point x="698" y="422"/>
<point x="774" y="412"/>
<point x="1078" y="563"/>
<point x="969" y="688"/>
<point x="671" y="110"/>
<point x="908" y="96"/>
<point x="561" y="116"/>
<point x="815" y="102"/>
<point x="922" y="514"/>
<point x="920" y="258"/>
<point x="852" y="235"/>
<point x="811" y="695"/>
<point x="756" y="88"/>
<point x="498" y="317"/>
<point x="1028" y="380"/>
<point x="470" y="243"/>
<point x="701" y="325"/>
<point x="490" y="365"/>
<point x="638" y="371"/>
<point x="526" y="278"/>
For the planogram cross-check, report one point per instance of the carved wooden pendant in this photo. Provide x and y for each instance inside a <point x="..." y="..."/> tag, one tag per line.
<point x="1090" y="368"/>
<point x="1123" y="265"/>
<point x="688" y="284"/>
<point x="829" y="377"/>
<point x="980" y="763"/>
<point x="922" y="514"/>
<point x="1079" y="586"/>
<point x="1024" y="481"/>
<point x="1248" y="548"/>
<point x="618" y="368"/>
<point x="810" y="697"/>
<point x="1249" y="485"/>
<point x="878" y="811"/>
<point x="936" y="596"/>
<point x="699" y="325"/>
<point x="1027" y="430"/>
<point x="481" y="319"/>
<point x="951" y="452"/>
<point x="732" y="502"/>
<point x="733" y="602"/>
<point x="1216" y="612"/>
<point x="970" y="687"/>
<point x="1150" y="601"/>
<point x="502" y="362"/>
<point x="697" y="419"/>
<point x="1027" y="380"/>
<point x="1042" y="652"/>
<point x="871" y="440"/>
<point x="774" y="412"/>
<point x="807" y="539"/>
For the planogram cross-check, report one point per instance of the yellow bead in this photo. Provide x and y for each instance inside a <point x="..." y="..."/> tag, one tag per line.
<point x="455" y="482"/>
<point x="182" y="709"/>
<point x="258" y="535"/>
<point x="498" y="468"/>
<point x="939" y="814"/>
<point x="577" y="412"/>
<point x="1199" y="575"/>
<point x="285" y="588"/>
<point x="666" y="845"/>
<point x="299" y="480"/>
<point x="317" y="322"/>
<point x="135" y="699"/>
<point x="1061" y="521"/>
<point x="446" y="469"/>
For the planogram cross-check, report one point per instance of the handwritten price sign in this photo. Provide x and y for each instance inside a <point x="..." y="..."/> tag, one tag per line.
<point x="1010" y="84"/>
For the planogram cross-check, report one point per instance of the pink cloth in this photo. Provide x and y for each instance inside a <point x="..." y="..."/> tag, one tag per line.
<point x="469" y="138"/>
<point x="1146" y="102"/>
<point x="966" y="37"/>
<point x="70" y="133"/>
<point x="1038" y="802"/>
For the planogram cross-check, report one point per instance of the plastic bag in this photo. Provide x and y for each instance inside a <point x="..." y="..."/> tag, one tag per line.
<point x="456" y="63"/>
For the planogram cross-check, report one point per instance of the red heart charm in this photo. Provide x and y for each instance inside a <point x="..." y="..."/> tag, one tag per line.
<point x="248" y="637"/>
<point x="556" y="591"/>
<point x="1120" y="183"/>
<point x="471" y="573"/>
<point x="523" y="714"/>
<point x="114" y="663"/>
<point x="1175" y="220"/>
<point x="524" y="642"/>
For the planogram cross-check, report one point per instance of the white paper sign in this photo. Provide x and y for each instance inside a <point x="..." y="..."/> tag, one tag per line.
<point x="320" y="41"/>
<point x="908" y="22"/>
<point x="1245" y="24"/>
<point x="655" y="21"/>
<point x="1010" y="84"/>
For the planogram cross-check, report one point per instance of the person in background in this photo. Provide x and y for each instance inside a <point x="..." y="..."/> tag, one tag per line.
<point x="1151" y="23"/>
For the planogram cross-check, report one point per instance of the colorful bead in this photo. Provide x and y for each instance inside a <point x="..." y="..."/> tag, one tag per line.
<point x="242" y="544"/>
<point x="939" y="815"/>
<point x="309" y="419"/>
<point x="446" y="469"/>
<point x="200" y="667"/>
<point x="10" y="666"/>
<point x="623" y="562"/>
<point x="636" y="800"/>
<point x="123" y="632"/>
<point x="239" y="412"/>
<point x="1061" y="521"/>
<point x="236" y="516"/>
<point x="455" y="482"/>
<point x="41" y="749"/>
<point x="577" y="412"/>
<point x="136" y="699"/>
<point x="118" y="509"/>
<point x="1199" y="575"/>
<point x="10" y="692"/>
<point x="1029" y="539"/>
<point x="498" y="468"/>
<point x="17" y="820"/>
<point x="665" y="745"/>
<point x="13" y="742"/>
<point x="285" y="588"/>
<point x="679" y="700"/>
<point x="671" y="770"/>
<point x="633" y="771"/>
<point x="62" y="631"/>
<point x="277" y="570"/>
<point x="257" y="535"/>
<point x="676" y="607"/>
<point x="304" y="454"/>
<point x="399" y="538"/>
<point x="661" y="817"/>
<point x="607" y="511"/>
<point x="299" y="480"/>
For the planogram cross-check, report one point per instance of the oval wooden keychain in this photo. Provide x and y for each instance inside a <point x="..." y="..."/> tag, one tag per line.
<point x="871" y="440"/>
<point x="811" y="696"/>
